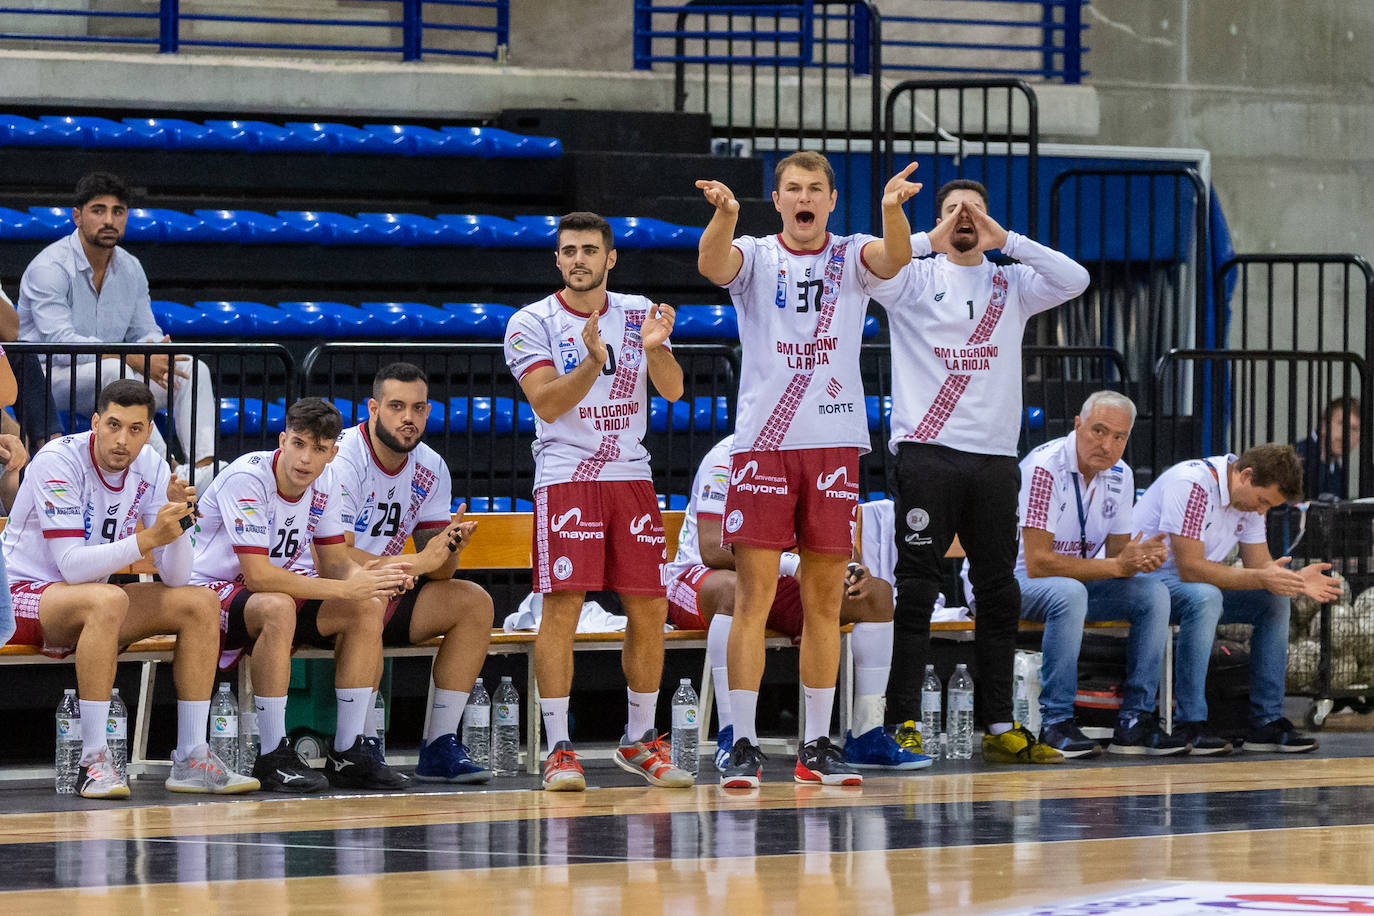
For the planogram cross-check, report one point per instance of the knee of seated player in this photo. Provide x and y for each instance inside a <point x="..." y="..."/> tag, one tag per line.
<point x="873" y="606"/>
<point x="105" y="607"/>
<point x="1061" y="599"/>
<point x="271" y="619"/>
<point x="1199" y="605"/>
<point x="359" y="619"/>
<point x="1151" y="606"/>
<point x="199" y="607"/>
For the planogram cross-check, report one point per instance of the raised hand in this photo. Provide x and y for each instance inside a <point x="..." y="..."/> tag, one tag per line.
<point x="898" y="190"/>
<point x="1317" y="586"/>
<point x="591" y="336"/>
<point x="1280" y="580"/>
<point x="718" y="195"/>
<point x="942" y="236"/>
<point x="180" y="491"/>
<point x="990" y="233"/>
<point x="13" y="455"/>
<point x="654" y="331"/>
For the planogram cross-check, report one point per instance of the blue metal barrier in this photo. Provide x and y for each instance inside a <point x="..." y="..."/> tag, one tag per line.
<point x="424" y="26"/>
<point x="1031" y="38"/>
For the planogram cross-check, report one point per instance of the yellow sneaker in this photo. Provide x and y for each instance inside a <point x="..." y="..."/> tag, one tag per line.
<point x="908" y="737"/>
<point x="1018" y="746"/>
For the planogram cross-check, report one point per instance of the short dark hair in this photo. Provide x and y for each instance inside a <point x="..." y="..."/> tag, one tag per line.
<point x="401" y="372"/>
<point x="1274" y="464"/>
<point x="126" y="392"/>
<point x="315" y="417"/>
<point x="959" y="184"/>
<point x="99" y="184"/>
<point x="807" y="159"/>
<point x="586" y="221"/>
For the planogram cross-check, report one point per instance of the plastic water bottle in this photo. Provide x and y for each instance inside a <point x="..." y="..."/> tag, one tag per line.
<point x="960" y="705"/>
<point x="1026" y="689"/>
<point x="1020" y="707"/>
<point x="477" y="725"/>
<point x="685" y="720"/>
<point x="505" y="730"/>
<point x="248" y="737"/>
<point x="68" y="758"/>
<point x="117" y="734"/>
<point x="224" y="727"/>
<point x="379" y="716"/>
<point x="932" y="696"/>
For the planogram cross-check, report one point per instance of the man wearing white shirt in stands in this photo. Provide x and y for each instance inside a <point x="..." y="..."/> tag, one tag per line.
<point x="84" y="289"/>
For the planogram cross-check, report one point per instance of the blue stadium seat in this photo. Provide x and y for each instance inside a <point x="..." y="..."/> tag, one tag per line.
<point x="229" y="413"/>
<point x="465" y="141"/>
<point x="303" y="320"/>
<point x="17" y="130"/>
<point x="1034" y="418"/>
<point x="438" y="415"/>
<point x="273" y="138"/>
<point x="177" y="320"/>
<point x="254" y="319"/>
<point x="181" y="134"/>
<point x="222" y="319"/>
<point x="646" y="232"/>
<point x="180" y="227"/>
<point x="143" y="226"/>
<point x="504" y="144"/>
<point x="304" y="227"/>
<point x="485" y="231"/>
<point x="705" y="322"/>
<point x="414" y="230"/>
<point x="413" y="140"/>
<point x="878" y="411"/>
<point x="254" y="414"/>
<point x="339" y="320"/>
<point x="660" y="413"/>
<point x="247" y="226"/>
<point x="672" y="502"/>
<point x="341" y="138"/>
<point x="340" y="229"/>
<point x="493" y="504"/>
<point x="17" y="225"/>
<point x="540" y="232"/>
<point x="711" y="413"/>
<point x="102" y="133"/>
<point x="58" y="220"/>
<point x="390" y="319"/>
<point x="871" y="326"/>
<point x="480" y="319"/>
<point x="354" y="412"/>
<point x="423" y="320"/>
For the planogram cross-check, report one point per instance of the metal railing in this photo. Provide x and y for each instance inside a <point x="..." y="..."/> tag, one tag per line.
<point x="984" y="129"/>
<point x="1031" y="38"/>
<point x="1274" y="396"/>
<point x="244" y="383"/>
<point x="411" y="28"/>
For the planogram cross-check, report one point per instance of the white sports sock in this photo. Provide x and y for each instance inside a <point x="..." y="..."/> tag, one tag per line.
<point x="271" y="722"/>
<point x="446" y="712"/>
<point x="820" y="702"/>
<point x="998" y="728"/>
<point x="868" y="714"/>
<point x="351" y="703"/>
<point x="872" y="646"/>
<point x="743" y="704"/>
<point x="643" y="707"/>
<point x="192" y="715"/>
<point x="94" y="713"/>
<point x="555" y="713"/>
<point x="717" y="639"/>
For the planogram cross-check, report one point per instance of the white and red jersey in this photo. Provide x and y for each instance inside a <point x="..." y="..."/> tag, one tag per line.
<point x="708" y="499"/>
<point x="1192" y="499"/>
<point x="801" y="320"/>
<point x="602" y="438"/>
<point x="243" y="512"/>
<point x="1079" y="515"/>
<point x="65" y="496"/>
<point x="384" y="506"/>
<point x="956" y="342"/>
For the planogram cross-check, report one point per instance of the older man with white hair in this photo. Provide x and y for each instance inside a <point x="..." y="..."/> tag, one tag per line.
<point x="1078" y="562"/>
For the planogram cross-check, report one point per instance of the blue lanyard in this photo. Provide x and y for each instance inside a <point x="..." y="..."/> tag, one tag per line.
<point x="1082" y="517"/>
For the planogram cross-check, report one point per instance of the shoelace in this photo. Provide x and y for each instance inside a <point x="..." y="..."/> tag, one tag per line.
<point x="562" y="759"/>
<point x="659" y="749"/>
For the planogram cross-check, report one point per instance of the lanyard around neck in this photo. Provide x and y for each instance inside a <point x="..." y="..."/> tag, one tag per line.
<point x="1082" y="517"/>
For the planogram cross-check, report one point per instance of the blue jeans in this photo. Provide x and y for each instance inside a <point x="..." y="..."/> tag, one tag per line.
<point x="6" y="608"/>
<point x="1064" y="605"/>
<point x="1197" y="609"/>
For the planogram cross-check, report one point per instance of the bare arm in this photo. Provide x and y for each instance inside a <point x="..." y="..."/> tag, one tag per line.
<point x="1260" y="571"/>
<point x="372" y="580"/>
<point x="1042" y="560"/>
<point x="664" y="371"/>
<point x="717" y="259"/>
<point x="708" y="542"/>
<point x="9" y="387"/>
<point x="551" y="395"/>
<point x="9" y="319"/>
<point x="890" y="255"/>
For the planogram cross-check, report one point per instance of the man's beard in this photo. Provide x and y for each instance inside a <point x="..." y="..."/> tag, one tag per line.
<point x="591" y="282"/>
<point x="385" y="437"/>
<point x="964" y="243"/>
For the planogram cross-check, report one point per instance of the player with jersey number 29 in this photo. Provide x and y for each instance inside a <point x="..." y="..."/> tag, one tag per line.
<point x="261" y="518"/>
<point x="583" y="357"/>
<point x="801" y="297"/>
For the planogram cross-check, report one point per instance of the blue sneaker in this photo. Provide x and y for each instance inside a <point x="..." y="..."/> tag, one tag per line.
<point x="875" y="749"/>
<point x="724" y="741"/>
<point x="446" y="760"/>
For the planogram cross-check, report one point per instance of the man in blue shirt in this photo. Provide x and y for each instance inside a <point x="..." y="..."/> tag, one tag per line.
<point x="85" y="289"/>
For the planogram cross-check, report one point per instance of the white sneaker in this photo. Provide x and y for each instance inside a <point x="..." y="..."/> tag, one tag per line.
<point x="98" y="778"/>
<point x="202" y="771"/>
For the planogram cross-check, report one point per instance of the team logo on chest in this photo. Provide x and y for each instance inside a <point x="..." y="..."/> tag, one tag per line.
<point x="567" y="352"/>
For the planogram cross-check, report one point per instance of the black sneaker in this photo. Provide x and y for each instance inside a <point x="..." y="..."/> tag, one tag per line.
<point x="1068" y="739"/>
<point x="1201" y="743"/>
<point x="745" y="767"/>
<point x="1145" y="737"/>
<point x="361" y="767"/>
<point x="284" y="770"/>
<point x="1280" y="737"/>
<point x="820" y="762"/>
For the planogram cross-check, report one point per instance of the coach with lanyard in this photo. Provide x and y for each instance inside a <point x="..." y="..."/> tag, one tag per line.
<point x="956" y="322"/>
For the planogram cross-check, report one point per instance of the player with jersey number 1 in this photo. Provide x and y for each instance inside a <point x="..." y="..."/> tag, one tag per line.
<point x="583" y="357"/>
<point x="801" y="297"/>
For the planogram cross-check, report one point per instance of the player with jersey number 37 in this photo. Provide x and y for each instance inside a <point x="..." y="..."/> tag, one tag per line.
<point x="801" y="297"/>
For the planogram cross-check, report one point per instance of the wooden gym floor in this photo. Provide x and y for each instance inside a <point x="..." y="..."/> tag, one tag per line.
<point x="958" y="837"/>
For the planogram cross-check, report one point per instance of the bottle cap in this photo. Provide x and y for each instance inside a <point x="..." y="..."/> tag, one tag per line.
<point x="505" y="678"/>
<point x="114" y="692"/>
<point x="687" y="681"/>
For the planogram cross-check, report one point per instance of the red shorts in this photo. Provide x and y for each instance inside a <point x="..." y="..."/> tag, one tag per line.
<point x="801" y="496"/>
<point x="598" y="535"/>
<point x="24" y="597"/>
<point x="683" y="612"/>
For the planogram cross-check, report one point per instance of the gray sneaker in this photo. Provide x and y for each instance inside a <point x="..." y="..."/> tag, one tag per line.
<point x="202" y="771"/>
